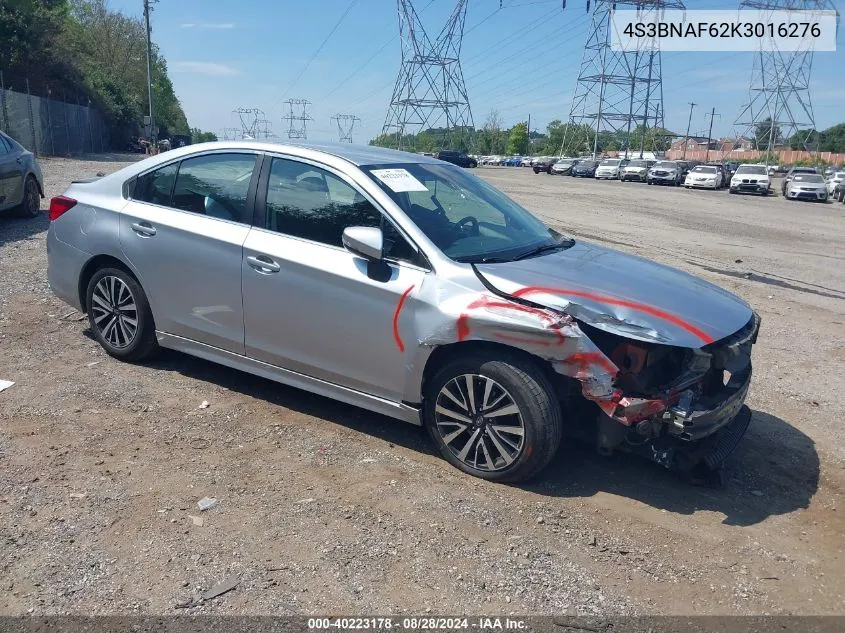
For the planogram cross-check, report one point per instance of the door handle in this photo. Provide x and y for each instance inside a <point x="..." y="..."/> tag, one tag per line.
<point x="144" y="229"/>
<point x="263" y="264"/>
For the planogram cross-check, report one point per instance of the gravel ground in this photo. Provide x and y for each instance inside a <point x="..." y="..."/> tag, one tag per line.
<point x="324" y="508"/>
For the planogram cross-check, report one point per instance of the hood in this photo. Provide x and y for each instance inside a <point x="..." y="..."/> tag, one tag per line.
<point x="623" y="294"/>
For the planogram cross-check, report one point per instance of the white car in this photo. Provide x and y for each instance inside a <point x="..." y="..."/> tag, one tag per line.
<point x="609" y="168"/>
<point x="835" y="179"/>
<point x="704" y="176"/>
<point x="807" y="187"/>
<point x="751" y="179"/>
<point x="526" y="162"/>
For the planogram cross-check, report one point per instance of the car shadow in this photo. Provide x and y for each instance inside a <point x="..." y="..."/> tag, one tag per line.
<point x="13" y="229"/>
<point x="381" y="426"/>
<point x="774" y="470"/>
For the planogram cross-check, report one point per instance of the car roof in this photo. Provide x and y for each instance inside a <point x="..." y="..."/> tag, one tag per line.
<point x="356" y="154"/>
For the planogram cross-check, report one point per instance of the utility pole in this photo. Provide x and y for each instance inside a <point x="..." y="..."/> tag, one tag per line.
<point x="710" y="133"/>
<point x="529" y="132"/>
<point x="689" y="122"/>
<point x="153" y="131"/>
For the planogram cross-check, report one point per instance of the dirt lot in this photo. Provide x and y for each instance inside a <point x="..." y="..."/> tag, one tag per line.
<point x="328" y="509"/>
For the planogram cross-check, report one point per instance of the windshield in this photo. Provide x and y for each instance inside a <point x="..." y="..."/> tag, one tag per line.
<point x="466" y="218"/>
<point x="638" y="163"/>
<point x="565" y="161"/>
<point x="665" y="165"/>
<point x="703" y="169"/>
<point x="839" y="174"/>
<point x="808" y="178"/>
<point x="610" y="162"/>
<point x="587" y="163"/>
<point x="759" y="170"/>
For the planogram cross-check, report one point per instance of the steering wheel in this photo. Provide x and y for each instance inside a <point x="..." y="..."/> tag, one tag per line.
<point x="458" y="227"/>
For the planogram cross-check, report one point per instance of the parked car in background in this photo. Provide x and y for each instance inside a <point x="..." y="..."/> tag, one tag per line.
<point x="563" y="166"/>
<point x="637" y="170"/>
<point x="513" y="161"/>
<point x="665" y="172"/>
<point x="839" y="192"/>
<point x="835" y="178"/>
<point x="784" y="186"/>
<point x="457" y="158"/>
<point x="585" y="169"/>
<point x="526" y="161"/>
<point x="21" y="181"/>
<point x="610" y="168"/>
<point x="730" y="168"/>
<point x="704" y="177"/>
<point x="461" y="311"/>
<point x="751" y="179"/>
<point x="543" y="165"/>
<point x="726" y="178"/>
<point x="807" y="187"/>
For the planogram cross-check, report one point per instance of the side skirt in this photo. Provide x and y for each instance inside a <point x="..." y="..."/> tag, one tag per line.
<point x="398" y="410"/>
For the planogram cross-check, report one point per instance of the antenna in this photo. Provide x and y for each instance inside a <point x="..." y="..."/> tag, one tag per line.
<point x="430" y="89"/>
<point x="297" y="117"/>
<point x="617" y="90"/>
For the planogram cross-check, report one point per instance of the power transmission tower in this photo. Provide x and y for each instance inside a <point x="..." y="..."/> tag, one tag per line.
<point x="618" y="90"/>
<point x="779" y="104"/>
<point x="264" y="129"/>
<point x="297" y="117"/>
<point x="430" y="92"/>
<point x="345" y="123"/>
<point x="230" y="134"/>
<point x="249" y="118"/>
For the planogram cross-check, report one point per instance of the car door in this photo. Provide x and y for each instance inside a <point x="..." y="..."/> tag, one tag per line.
<point x="183" y="231"/>
<point x="310" y="305"/>
<point x="11" y="175"/>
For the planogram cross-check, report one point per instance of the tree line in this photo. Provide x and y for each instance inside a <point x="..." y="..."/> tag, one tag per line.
<point x="559" y="138"/>
<point x="83" y="51"/>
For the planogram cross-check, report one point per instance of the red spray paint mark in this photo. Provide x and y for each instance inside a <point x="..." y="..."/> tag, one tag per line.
<point x="641" y="307"/>
<point x="487" y="302"/>
<point x="399" y="305"/>
<point x="583" y="360"/>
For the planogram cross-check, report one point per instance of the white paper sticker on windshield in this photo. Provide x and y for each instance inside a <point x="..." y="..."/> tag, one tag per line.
<point x="399" y="180"/>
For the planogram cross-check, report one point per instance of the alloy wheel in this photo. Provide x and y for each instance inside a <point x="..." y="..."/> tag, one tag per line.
<point x="479" y="421"/>
<point x="114" y="312"/>
<point x="32" y="197"/>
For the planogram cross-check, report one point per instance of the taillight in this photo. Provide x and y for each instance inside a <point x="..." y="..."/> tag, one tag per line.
<point x="59" y="205"/>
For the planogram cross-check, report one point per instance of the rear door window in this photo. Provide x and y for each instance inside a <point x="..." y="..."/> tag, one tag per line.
<point x="156" y="186"/>
<point x="215" y="185"/>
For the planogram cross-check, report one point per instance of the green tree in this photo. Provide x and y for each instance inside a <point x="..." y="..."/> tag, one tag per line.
<point x="198" y="136"/>
<point x="833" y="139"/>
<point x="518" y="139"/>
<point x="764" y="132"/>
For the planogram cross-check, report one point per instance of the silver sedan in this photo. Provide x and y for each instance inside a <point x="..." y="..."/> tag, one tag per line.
<point x="409" y="287"/>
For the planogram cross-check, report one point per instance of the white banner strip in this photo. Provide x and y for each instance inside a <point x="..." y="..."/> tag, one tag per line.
<point x="725" y="30"/>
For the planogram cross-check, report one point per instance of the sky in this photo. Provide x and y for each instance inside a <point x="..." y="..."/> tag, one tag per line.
<point x="521" y="59"/>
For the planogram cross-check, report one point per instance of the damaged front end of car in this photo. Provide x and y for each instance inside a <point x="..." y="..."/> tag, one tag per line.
<point x="679" y="407"/>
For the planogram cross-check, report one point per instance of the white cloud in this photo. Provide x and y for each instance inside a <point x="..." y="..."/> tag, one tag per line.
<point x="193" y="25"/>
<point x="204" y="68"/>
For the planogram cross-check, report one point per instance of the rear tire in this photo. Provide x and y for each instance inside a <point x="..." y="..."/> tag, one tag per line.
<point x="120" y="316"/>
<point x="522" y="430"/>
<point x="30" y="206"/>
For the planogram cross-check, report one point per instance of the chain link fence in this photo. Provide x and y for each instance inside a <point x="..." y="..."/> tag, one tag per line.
<point x="50" y="126"/>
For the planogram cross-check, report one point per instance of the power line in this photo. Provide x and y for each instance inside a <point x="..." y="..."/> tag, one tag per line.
<point x="317" y="52"/>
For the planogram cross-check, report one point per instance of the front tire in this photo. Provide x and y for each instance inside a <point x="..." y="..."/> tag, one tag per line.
<point x="120" y="316"/>
<point x="493" y="416"/>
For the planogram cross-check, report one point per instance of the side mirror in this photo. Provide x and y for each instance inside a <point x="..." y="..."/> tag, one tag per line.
<point x="366" y="241"/>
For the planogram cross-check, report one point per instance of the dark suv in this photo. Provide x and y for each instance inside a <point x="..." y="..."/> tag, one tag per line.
<point x="457" y="158"/>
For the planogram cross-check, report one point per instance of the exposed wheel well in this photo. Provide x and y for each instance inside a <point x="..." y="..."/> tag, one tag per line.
<point x="37" y="184"/>
<point x="93" y="265"/>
